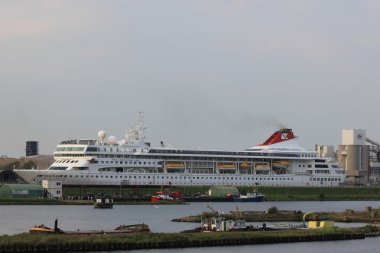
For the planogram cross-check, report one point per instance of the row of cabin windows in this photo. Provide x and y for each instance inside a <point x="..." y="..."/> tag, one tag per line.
<point x="70" y="155"/>
<point x="171" y="177"/>
<point x="67" y="161"/>
<point x="94" y="149"/>
<point x="321" y="166"/>
<point x="128" y="162"/>
<point x="303" y="165"/>
<point x="60" y="149"/>
<point x="322" y="172"/>
<point x="308" y="155"/>
<point x="325" y="179"/>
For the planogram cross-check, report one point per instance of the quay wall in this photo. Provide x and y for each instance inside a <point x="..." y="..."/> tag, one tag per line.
<point x="53" y="244"/>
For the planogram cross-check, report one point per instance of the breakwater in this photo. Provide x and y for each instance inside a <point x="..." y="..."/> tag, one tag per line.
<point x="67" y="243"/>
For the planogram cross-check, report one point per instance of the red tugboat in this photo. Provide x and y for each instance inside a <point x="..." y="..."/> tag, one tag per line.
<point x="166" y="196"/>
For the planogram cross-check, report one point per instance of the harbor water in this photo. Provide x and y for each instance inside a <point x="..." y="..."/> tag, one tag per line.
<point x="369" y="245"/>
<point x="16" y="219"/>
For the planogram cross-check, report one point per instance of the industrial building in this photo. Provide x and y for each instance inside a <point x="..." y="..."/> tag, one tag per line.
<point x="31" y="148"/>
<point x="325" y="150"/>
<point x="223" y="191"/>
<point x="53" y="188"/>
<point x="8" y="176"/>
<point x="360" y="157"/>
<point x="374" y="162"/>
<point x="21" y="191"/>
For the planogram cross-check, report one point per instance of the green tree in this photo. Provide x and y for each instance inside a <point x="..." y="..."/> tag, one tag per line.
<point x="29" y="165"/>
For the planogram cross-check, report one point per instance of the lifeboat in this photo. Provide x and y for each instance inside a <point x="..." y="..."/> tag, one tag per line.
<point x="245" y="165"/>
<point x="175" y="164"/>
<point x="226" y="166"/>
<point x="262" y="166"/>
<point x="281" y="163"/>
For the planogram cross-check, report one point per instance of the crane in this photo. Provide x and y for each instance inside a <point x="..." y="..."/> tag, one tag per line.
<point x="304" y="217"/>
<point x="213" y="210"/>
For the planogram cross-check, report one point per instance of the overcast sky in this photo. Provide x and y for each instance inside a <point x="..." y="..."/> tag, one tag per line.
<point x="208" y="74"/>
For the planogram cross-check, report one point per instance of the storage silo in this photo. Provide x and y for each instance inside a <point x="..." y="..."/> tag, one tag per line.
<point x="353" y="156"/>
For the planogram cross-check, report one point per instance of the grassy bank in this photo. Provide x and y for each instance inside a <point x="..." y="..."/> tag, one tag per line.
<point x="318" y="194"/>
<point x="66" y="243"/>
<point x="369" y="215"/>
<point x="271" y="193"/>
<point x="130" y="190"/>
<point x="41" y="201"/>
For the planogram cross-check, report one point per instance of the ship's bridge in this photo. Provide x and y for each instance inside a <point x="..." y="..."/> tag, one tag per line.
<point x="70" y="148"/>
<point x="80" y="142"/>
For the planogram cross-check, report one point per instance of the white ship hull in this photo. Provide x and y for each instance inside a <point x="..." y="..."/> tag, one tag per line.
<point x="279" y="161"/>
<point x="159" y="179"/>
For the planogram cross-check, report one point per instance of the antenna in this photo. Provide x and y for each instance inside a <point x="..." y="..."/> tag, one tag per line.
<point x="136" y="133"/>
<point x="140" y="125"/>
<point x="141" y="116"/>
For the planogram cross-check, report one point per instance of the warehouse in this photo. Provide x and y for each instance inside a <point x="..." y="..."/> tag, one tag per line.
<point x="223" y="191"/>
<point x="21" y="191"/>
<point x="7" y="176"/>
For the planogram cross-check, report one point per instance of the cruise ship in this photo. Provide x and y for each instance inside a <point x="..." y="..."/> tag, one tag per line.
<point x="278" y="161"/>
